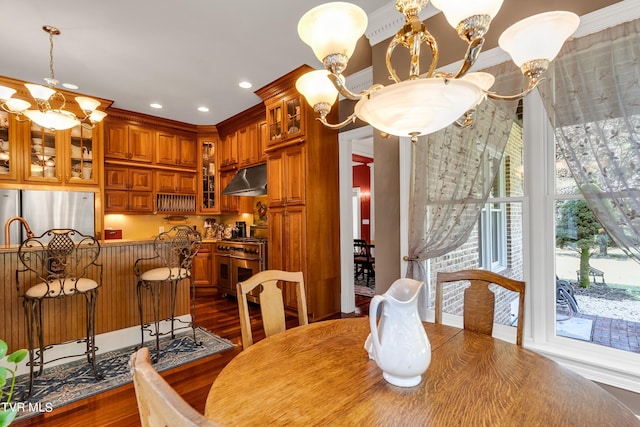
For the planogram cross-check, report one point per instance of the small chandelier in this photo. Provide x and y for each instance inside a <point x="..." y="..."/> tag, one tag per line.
<point x="424" y="104"/>
<point x="47" y="116"/>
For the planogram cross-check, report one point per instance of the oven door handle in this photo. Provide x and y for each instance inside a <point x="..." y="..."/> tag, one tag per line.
<point x="244" y="258"/>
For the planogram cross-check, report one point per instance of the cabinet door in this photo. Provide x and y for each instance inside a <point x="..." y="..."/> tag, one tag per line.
<point x="275" y="179"/>
<point x="229" y="150"/>
<point x="116" y="201"/>
<point x="262" y="141"/>
<point x="44" y="159"/>
<point x="228" y="203"/>
<point x="80" y="167"/>
<point x="140" y="179"/>
<point x="10" y="133"/>
<point x="166" y="182"/>
<point x="248" y="145"/>
<point x="202" y="267"/>
<point x="274" y="123"/>
<point x="188" y="151"/>
<point x="186" y="183"/>
<point x="141" y="144"/>
<point x="140" y="201"/>
<point x="166" y="149"/>
<point x="276" y="247"/>
<point x="116" y="145"/>
<point x="294" y="119"/>
<point x="296" y="248"/>
<point x="294" y="178"/>
<point x="116" y="178"/>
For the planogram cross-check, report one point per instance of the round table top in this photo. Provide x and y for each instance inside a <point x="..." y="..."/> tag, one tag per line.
<point x="320" y="374"/>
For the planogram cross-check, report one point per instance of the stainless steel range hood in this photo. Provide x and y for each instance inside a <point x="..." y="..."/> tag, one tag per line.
<point x="248" y="182"/>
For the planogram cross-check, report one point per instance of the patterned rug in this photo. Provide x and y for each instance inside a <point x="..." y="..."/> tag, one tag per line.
<point x="69" y="382"/>
<point x="362" y="289"/>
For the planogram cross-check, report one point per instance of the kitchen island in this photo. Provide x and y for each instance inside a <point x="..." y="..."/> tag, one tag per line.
<point x="64" y="319"/>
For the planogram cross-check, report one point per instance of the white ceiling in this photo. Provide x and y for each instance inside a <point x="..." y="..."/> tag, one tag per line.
<point x="181" y="54"/>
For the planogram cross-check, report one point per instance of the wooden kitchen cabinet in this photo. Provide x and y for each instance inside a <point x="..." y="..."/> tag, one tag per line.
<point x="228" y="156"/>
<point x="303" y="195"/>
<point x="286" y="176"/>
<point x="175" y="182"/>
<point x="228" y="204"/>
<point x="128" y="142"/>
<point x="65" y="157"/>
<point x="248" y="145"/>
<point x="208" y="193"/>
<point x="287" y="240"/>
<point x="128" y="189"/>
<point x="284" y="118"/>
<point x="263" y="139"/>
<point x="175" y="150"/>
<point x="202" y="267"/>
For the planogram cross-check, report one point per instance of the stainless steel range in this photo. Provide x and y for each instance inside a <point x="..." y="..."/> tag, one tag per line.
<point x="237" y="260"/>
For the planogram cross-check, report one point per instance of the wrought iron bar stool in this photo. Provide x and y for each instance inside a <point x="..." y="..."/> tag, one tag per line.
<point x="174" y="252"/>
<point x="58" y="264"/>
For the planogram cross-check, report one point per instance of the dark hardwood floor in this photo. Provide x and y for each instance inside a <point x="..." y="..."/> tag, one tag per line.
<point x="192" y="381"/>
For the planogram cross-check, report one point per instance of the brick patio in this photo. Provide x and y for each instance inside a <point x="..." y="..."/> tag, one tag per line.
<point x="616" y="333"/>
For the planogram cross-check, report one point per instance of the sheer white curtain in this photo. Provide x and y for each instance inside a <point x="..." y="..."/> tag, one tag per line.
<point x="449" y="182"/>
<point x="593" y="101"/>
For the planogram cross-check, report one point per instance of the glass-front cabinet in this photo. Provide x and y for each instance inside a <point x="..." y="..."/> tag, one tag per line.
<point x="209" y="198"/>
<point x="285" y="119"/>
<point x="7" y="148"/>
<point x="60" y="156"/>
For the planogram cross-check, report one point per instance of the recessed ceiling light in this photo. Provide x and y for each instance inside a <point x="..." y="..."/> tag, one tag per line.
<point x="155" y="105"/>
<point x="70" y="86"/>
<point x="203" y="109"/>
<point x="245" y="85"/>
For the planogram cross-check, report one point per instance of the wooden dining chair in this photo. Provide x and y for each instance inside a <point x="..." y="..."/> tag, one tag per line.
<point x="159" y="404"/>
<point x="479" y="300"/>
<point x="271" y="302"/>
<point x="363" y="260"/>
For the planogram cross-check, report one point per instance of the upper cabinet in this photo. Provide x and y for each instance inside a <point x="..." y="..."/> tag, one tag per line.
<point x="128" y="142"/>
<point x="8" y="148"/>
<point x="176" y="150"/>
<point x="240" y="142"/>
<point x="284" y="118"/>
<point x="31" y="155"/>
<point x="208" y="200"/>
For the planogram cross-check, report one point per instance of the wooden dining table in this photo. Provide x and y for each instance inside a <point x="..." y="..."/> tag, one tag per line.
<point x="320" y="374"/>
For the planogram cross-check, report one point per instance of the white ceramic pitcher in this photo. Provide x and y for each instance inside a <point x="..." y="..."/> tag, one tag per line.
<point x="399" y="343"/>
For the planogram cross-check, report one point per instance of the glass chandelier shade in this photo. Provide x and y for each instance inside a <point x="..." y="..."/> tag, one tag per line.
<point x="456" y="11"/>
<point x="401" y="109"/>
<point x="427" y="102"/>
<point x="317" y="87"/>
<point x="333" y="28"/>
<point x="538" y="37"/>
<point x="46" y="115"/>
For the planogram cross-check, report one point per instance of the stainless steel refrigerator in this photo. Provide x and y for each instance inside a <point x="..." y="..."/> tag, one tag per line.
<point x="44" y="210"/>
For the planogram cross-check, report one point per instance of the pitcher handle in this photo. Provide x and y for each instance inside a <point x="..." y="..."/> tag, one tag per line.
<point x="373" y="320"/>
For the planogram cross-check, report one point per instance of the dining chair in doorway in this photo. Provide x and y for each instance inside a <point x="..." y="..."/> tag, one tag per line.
<point x="174" y="251"/>
<point x="59" y="264"/>
<point x="363" y="260"/>
<point x="271" y="302"/>
<point x="479" y="300"/>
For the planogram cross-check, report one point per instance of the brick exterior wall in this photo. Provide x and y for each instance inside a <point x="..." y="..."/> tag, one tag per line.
<point x="467" y="255"/>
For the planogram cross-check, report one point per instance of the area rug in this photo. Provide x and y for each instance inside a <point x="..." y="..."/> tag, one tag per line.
<point x="575" y="327"/>
<point x="69" y="382"/>
<point x="362" y="289"/>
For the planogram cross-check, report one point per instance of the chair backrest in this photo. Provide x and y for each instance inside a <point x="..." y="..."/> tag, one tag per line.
<point x="62" y="255"/>
<point x="176" y="247"/>
<point x="361" y="249"/>
<point x="271" y="302"/>
<point x="158" y="403"/>
<point x="479" y="300"/>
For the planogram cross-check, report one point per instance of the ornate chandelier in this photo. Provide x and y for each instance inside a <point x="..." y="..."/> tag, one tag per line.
<point x="424" y="104"/>
<point x="46" y="115"/>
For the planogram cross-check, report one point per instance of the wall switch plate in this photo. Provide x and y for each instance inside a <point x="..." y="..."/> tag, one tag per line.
<point x="161" y="229"/>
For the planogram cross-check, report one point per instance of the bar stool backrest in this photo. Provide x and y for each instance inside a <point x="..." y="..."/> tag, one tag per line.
<point x="63" y="256"/>
<point x="177" y="247"/>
